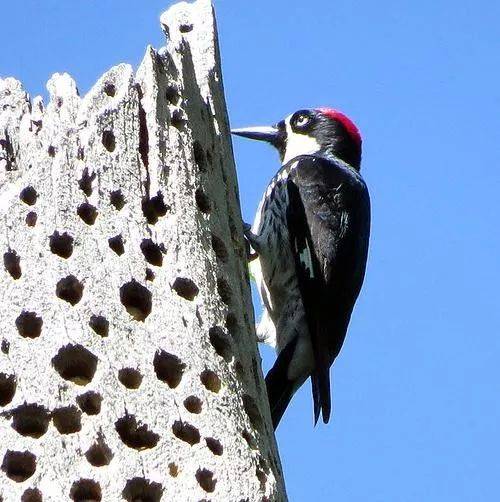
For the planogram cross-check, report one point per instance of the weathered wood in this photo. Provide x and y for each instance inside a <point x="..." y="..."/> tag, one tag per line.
<point x="128" y="364"/>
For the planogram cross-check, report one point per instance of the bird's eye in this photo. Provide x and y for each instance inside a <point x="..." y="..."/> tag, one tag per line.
<point x="301" y="120"/>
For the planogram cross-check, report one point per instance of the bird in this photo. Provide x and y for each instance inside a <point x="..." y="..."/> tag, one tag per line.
<point x="310" y="242"/>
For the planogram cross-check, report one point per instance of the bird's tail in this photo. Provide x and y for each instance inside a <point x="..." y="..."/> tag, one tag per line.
<point x="279" y="388"/>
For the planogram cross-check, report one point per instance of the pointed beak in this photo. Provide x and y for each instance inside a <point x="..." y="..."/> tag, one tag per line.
<point x="265" y="133"/>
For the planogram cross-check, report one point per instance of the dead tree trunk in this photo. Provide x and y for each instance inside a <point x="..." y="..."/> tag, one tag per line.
<point x="128" y="364"/>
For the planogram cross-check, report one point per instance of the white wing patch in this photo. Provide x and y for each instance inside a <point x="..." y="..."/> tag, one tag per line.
<point x="305" y="258"/>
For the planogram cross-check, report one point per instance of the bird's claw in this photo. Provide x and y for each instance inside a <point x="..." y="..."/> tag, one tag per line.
<point x="251" y="240"/>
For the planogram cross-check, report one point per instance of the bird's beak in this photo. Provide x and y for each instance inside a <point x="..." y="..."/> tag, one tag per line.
<point x="266" y="133"/>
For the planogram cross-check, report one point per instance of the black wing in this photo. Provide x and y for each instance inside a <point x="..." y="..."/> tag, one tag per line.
<point x="328" y="221"/>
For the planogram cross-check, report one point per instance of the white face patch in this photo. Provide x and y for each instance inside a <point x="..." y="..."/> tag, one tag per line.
<point x="298" y="144"/>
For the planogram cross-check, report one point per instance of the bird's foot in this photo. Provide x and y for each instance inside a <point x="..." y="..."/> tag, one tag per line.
<point x="251" y="240"/>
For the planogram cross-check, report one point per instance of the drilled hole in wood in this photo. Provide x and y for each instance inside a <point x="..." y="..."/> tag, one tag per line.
<point x="142" y="490"/>
<point x="116" y="244"/>
<point x="19" y="465"/>
<point x="186" y="28"/>
<point x="12" y="264"/>
<point x="29" y="325"/>
<point x="130" y="378"/>
<point x="90" y="403"/>
<point x="219" y="248"/>
<point x="193" y="404"/>
<point x="154" y="208"/>
<point x="173" y="469"/>
<point x="220" y="342"/>
<point x="109" y="89"/>
<point x="172" y="94"/>
<point x="85" y="182"/>
<point x="87" y="212"/>
<point x="199" y="156"/>
<point x="28" y="195"/>
<point x="136" y="299"/>
<point x="150" y="275"/>
<point x="168" y="368"/>
<point x="108" y="140"/>
<point x="80" y="154"/>
<point x="61" y="244"/>
<point x="8" y="385"/>
<point x="202" y="201"/>
<point x="135" y="436"/>
<point x="117" y="199"/>
<point x="178" y="119"/>
<point x="224" y="290"/>
<point x="210" y="380"/>
<point x="5" y="346"/>
<point x="186" y="288"/>
<point x="67" y="420"/>
<point x="32" y="495"/>
<point x="215" y="446"/>
<point x="186" y="432"/>
<point x="75" y="363"/>
<point x="30" y="420"/>
<point x="249" y="440"/>
<point x="31" y="218"/>
<point x="152" y="252"/>
<point x="252" y="410"/>
<point x="85" y="490"/>
<point x="69" y="289"/>
<point x="206" y="480"/>
<point x="51" y="150"/>
<point x="99" y="454"/>
<point x="100" y="325"/>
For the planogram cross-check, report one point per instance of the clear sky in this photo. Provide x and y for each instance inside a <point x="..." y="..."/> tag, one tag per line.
<point x="417" y="385"/>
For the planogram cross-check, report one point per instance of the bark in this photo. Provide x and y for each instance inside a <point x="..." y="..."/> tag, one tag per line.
<point x="128" y="365"/>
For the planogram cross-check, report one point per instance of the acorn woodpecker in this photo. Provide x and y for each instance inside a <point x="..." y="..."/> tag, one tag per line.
<point x="310" y="238"/>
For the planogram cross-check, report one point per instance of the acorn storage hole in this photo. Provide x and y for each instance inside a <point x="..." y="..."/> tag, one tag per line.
<point x="61" y="244"/>
<point x="224" y="290"/>
<point x="31" y="218"/>
<point x="85" y="182"/>
<point x="136" y="299"/>
<point x="32" y="495"/>
<point x="193" y="404"/>
<point x="90" y="403"/>
<point x="30" y="420"/>
<point x="85" y="490"/>
<point x="69" y="289"/>
<point x="130" y="378"/>
<point x="154" y="208"/>
<point x="29" y="325"/>
<point x="168" y="368"/>
<point x="8" y="385"/>
<point x="75" y="363"/>
<point x="186" y="288"/>
<point x="252" y="410"/>
<point x="173" y="469"/>
<point x="152" y="252"/>
<point x="186" y="27"/>
<point x="206" y="479"/>
<point x="108" y="140"/>
<point x="135" y="436"/>
<point x="199" y="156"/>
<point x="87" y="212"/>
<point x="142" y="490"/>
<point x="186" y="432"/>
<point x="116" y="244"/>
<point x="117" y="199"/>
<point x="12" y="264"/>
<point x="100" y="325"/>
<point x="219" y="248"/>
<point x="221" y="343"/>
<point x="99" y="454"/>
<point x="28" y="195"/>
<point x="67" y="420"/>
<point x="19" y="465"/>
<point x="215" y="446"/>
<point x="211" y="381"/>
<point x="172" y="94"/>
<point x="109" y="89"/>
<point x="202" y="201"/>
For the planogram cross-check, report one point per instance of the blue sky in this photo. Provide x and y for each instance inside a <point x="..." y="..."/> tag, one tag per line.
<point x="417" y="385"/>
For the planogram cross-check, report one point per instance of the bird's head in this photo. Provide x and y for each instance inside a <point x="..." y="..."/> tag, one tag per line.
<point x="322" y="131"/>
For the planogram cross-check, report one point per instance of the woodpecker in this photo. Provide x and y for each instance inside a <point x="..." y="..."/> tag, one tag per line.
<point x="310" y="238"/>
